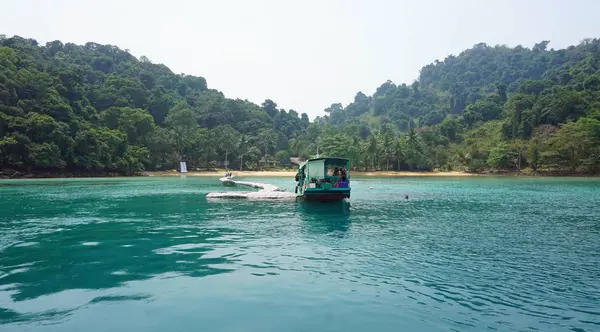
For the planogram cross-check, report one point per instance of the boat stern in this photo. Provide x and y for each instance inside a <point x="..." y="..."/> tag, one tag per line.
<point x="333" y="194"/>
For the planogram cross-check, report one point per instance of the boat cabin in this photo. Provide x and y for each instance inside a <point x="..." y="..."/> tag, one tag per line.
<point x="324" y="179"/>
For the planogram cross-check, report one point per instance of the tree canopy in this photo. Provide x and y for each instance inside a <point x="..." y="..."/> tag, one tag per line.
<point x="96" y="107"/>
<point x="489" y="108"/>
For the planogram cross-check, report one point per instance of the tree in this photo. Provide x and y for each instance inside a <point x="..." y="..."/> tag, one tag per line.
<point x="283" y="158"/>
<point x="135" y="122"/>
<point x="414" y="151"/>
<point x="499" y="156"/>
<point x="515" y="109"/>
<point x="576" y="145"/>
<point x="184" y="125"/>
<point x="243" y="146"/>
<point x="228" y="139"/>
<point x="252" y="157"/>
<point x="541" y="46"/>
<point x="451" y="128"/>
<point x="518" y="150"/>
<point x="161" y="147"/>
<point x="400" y="152"/>
<point x="373" y="150"/>
<point x="45" y="155"/>
<point x="533" y="153"/>
<point x="387" y="145"/>
<point x="270" y="107"/>
<point x="268" y="140"/>
<point x="336" y="107"/>
<point x="97" y="108"/>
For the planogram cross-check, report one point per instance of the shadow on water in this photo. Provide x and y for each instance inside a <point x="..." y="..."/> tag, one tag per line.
<point x="320" y="218"/>
<point x="95" y="265"/>
<point x="144" y="239"/>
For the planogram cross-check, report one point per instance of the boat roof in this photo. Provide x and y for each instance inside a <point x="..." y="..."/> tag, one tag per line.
<point x="336" y="159"/>
<point x="328" y="158"/>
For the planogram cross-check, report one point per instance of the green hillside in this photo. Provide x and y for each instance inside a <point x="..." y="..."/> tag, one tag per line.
<point x="97" y="108"/>
<point x="489" y="108"/>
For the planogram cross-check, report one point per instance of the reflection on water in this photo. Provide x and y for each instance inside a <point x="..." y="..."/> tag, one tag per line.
<point x="321" y="218"/>
<point x="155" y="255"/>
<point x="123" y="252"/>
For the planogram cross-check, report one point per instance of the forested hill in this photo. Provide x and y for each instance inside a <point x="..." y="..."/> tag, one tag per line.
<point x="450" y="86"/>
<point x="489" y="108"/>
<point x="96" y="108"/>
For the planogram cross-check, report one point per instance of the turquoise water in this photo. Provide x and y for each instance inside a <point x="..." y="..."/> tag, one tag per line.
<point x="152" y="254"/>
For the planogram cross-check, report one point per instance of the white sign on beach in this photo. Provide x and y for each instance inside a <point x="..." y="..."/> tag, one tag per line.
<point x="183" y="167"/>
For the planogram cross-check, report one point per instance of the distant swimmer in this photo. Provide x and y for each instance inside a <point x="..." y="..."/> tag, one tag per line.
<point x="405" y="196"/>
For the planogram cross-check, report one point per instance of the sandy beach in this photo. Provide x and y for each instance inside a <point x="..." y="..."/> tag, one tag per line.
<point x="401" y="174"/>
<point x="221" y="173"/>
<point x="293" y="173"/>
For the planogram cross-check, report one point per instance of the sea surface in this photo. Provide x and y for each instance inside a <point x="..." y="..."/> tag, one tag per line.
<point x="153" y="254"/>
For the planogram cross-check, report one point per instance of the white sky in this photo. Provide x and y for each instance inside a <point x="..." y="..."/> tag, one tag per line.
<point x="307" y="54"/>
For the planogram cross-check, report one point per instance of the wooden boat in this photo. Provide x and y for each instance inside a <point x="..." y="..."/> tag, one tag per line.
<point x="324" y="179"/>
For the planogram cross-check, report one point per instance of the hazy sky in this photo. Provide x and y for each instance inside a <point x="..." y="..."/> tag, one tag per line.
<point x="306" y="54"/>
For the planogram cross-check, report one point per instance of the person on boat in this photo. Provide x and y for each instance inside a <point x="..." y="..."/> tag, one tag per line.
<point x="342" y="182"/>
<point x="336" y="172"/>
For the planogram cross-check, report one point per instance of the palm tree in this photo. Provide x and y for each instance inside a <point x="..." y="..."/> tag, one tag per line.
<point x="372" y="150"/>
<point x="399" y="152"/>
<point x="243" y="148"/>
<point x="296" y="145"/>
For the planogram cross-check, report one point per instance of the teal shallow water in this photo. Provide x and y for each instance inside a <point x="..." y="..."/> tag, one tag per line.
<point x="152" y="254"/>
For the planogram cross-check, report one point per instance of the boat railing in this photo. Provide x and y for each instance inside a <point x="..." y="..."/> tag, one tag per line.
<point x="330" y="182"/>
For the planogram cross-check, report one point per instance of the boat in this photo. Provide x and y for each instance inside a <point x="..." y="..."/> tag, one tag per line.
<point x="324" y="179"/>
<point x="228" y="179"/>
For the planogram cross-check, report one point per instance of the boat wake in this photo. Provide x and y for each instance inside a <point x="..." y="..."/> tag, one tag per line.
<point x="267" y="191"/>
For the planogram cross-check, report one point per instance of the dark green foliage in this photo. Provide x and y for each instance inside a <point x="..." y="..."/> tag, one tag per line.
<point x="488" y="108"/>
<point x="98" y="108"/>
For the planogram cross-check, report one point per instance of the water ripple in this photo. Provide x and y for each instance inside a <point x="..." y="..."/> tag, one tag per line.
<point x="462" y="255"/>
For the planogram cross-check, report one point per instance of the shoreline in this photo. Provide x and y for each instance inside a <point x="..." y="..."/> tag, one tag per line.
<point x="13" y="174"/>
<point x="293" y="173"/>
<point x="457" y="174"/>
